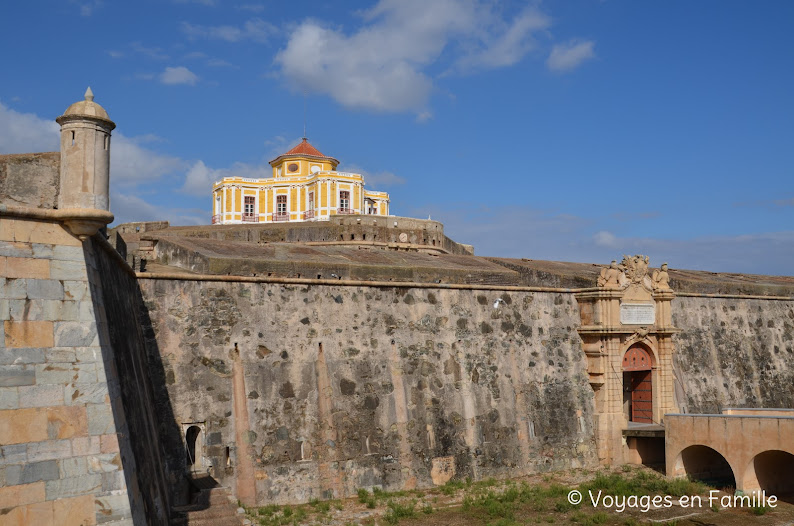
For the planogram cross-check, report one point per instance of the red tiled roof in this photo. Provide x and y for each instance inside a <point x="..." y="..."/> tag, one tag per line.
<point x="304" y="148"/>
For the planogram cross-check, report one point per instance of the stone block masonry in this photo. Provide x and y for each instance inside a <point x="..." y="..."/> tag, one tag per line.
<point x="59" y="409"/>
<point x="358" y="386"/>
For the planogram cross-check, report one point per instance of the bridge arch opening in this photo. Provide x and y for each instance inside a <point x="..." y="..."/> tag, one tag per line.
<point x="706" y="465"/>
<point x="638" y="384"/>
<point x="772" y="471"/>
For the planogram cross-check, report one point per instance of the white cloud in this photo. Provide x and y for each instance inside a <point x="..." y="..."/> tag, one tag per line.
<point x="568" y="56"/>
<point x="200" y="177"/>
<point x="155" y="53"/>
<point x="202" y="2"/>
<point x="511" y="44"/>
<point x="378" y="179"/>
<point x="87" y="7"/>
<point x="219" y="63"/>
<point x="253" y="8"/>
<point x="519" y="232"/>
<point x="383" y="65"/>
<point x="424" y="116"/>
<point x="255" y="29"/>
<point x="605" y="239"/>
<point x="26" y="132"/>
<point x="279" y="144"/>
<point x="374" y="180"/>
<point x="178" y="75"/>
<point x="132" y="164"/>
<point x="128" y="208"/>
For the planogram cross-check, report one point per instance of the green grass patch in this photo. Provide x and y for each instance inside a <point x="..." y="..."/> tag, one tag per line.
<point x="641" y="483"/>
<point x="397" y="511"/>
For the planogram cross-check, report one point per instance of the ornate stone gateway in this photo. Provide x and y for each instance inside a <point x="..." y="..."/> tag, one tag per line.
<point x="627" y="337"/>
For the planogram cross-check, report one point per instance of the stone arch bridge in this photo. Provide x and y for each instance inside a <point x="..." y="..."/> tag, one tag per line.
<point x="753" y="447"/>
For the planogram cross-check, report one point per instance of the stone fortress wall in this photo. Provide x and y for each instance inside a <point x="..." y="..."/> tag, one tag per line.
<point x="287" y="383"/>
<point x="77" y="441"/>
<point x="359" y="386"/>
<point x="78" y="438"/>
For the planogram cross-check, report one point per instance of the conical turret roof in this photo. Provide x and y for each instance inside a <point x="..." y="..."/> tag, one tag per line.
<point x="86" y="108"/>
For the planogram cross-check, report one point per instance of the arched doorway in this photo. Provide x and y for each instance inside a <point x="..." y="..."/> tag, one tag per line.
<point x="637" y="385"/>
<point x="706" y="465"/>
<point x="192" y="448"/>
<point x="772" y="470"/>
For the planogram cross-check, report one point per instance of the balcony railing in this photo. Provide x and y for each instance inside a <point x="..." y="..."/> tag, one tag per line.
<point x="281" y="216"/>
<point x="250" y="218"/>
<point x="345" y="211"/>
<point x="308" y="214"/>
<point x="216" y="219"/>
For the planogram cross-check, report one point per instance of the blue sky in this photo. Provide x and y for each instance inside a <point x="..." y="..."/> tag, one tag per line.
<point x="563" y="130"/>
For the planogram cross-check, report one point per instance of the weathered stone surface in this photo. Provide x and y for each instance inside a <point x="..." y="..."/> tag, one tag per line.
<point x="112" y="508"/>
<point x="9" y="398"/>
<point x="13" y="288"/>
<point x="42" y="395"/>
<point x="76" y="334"/>
<point x="73" y="486"/>
<point x="9" y="248"/>
<point x="28" y="334"/>
<point x="27" y="268"/>
<point x="74" y="466"/>
<point x="734" y="353"/>
<point x="54" y="373"/>
<point x="32" y="472"/>
<point x="76" y="290"/>
<point x="42" y="251"/>
<point x="21" y="356"/>
<point x="20" y="495"/>
<point x="49" y="450"/>
<point x="88" y="393"/>
<point x="44" y="289"/>
<point x="67" y="253"/>
<point x="13" y="375"/>
<point x="30" y="179"/>
<point x="77" y="511"/>
<point x="5" y="312"/>
<point x="67" y="270"/>
<point x="385" y="394"/>
<point x="100" y="419"/>
<point x="35" y="425"/>
<point x="82" y="446"/>
<point x="104" y="463"/>
<point x="13" y="454"/>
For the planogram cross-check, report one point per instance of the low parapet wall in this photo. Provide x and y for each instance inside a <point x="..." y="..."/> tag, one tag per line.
<point x="744" y="411"/>
<point x="758" y="449"/>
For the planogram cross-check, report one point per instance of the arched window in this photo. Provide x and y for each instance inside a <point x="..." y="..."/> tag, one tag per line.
<point x="191" y="442"/>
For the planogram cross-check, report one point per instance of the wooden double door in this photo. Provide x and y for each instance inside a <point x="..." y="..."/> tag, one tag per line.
<point x="637" y="385"/>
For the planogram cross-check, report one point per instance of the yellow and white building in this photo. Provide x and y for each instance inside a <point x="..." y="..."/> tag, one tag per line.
<point x="305" y="187"/>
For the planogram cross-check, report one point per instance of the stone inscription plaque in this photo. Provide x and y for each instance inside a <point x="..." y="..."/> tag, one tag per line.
<point x="637" y="313"/>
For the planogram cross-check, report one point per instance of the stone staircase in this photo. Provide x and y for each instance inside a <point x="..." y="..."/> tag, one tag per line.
<point x="211" y="505"/>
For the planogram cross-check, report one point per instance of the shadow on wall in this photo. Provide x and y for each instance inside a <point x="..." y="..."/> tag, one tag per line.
<point x="148" y="429"/>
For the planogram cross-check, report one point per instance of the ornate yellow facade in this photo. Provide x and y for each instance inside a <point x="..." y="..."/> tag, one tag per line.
<point x="305" y="187"/>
